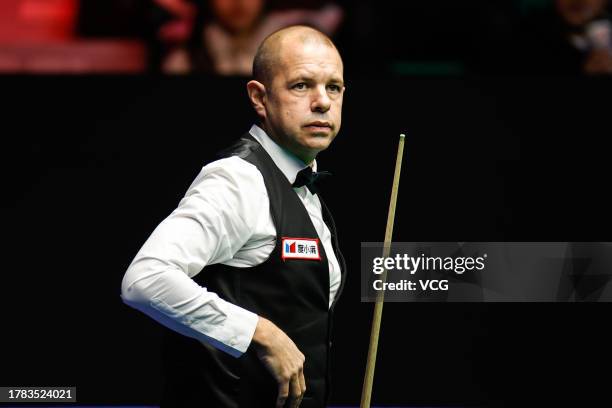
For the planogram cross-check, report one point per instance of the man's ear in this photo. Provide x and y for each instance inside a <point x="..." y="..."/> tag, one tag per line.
<point x="257" y="94"/>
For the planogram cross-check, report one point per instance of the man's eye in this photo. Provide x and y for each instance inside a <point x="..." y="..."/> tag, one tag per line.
<point x="334" y="88"/>
<point x="299" y="86"/>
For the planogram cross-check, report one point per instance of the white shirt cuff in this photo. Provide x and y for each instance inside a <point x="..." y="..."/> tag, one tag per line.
<point x="235" y="334"/>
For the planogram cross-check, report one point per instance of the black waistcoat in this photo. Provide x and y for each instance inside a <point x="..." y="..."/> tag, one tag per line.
<point x="292" y="293"/>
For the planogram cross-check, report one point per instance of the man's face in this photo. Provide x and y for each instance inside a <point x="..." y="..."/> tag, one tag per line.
<point x="237" y="15"/>
<point x="303" y="106"/>
<point x="579" y="12"/>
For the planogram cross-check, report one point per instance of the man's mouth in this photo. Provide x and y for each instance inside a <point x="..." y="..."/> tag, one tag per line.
<point x="319" y="125"/>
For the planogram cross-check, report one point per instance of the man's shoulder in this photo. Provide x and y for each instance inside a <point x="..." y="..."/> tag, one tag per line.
<point x="233" y="171"/>
<point x="230" y="164"/>
<point x="243" y="147"/>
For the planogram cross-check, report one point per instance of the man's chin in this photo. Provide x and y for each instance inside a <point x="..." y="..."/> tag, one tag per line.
<point x="318" y="142"/>
<point x="318" y="136"/>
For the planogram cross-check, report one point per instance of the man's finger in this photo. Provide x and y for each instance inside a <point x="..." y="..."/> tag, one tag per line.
<point x="283" y="392"/>
<point x="299" y="402"/>
<point x="302" y="381"/>
<point x="296" y="392"/>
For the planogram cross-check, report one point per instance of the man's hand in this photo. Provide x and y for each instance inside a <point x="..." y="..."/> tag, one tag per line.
<point x="283" y="359"/>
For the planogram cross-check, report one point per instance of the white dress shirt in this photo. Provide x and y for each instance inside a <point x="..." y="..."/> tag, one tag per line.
<point x="223" y="218"/>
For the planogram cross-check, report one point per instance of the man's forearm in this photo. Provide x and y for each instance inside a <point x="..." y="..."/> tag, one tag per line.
<point x="173" y="299"/>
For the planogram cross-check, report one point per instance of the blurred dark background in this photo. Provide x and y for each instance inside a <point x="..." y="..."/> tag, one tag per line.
<point x="439" y="37"/>
<point x="506" y="142"/>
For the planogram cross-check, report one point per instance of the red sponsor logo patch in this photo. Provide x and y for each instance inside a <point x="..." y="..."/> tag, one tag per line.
<point x="300" y="248"/>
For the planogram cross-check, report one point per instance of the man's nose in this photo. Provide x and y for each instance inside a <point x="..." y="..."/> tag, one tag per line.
<point x="320" y="100"/>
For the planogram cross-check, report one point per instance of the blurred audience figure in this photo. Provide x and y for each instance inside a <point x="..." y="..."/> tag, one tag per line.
<point x="222" y="36"/>
<point x="576" y="38"/>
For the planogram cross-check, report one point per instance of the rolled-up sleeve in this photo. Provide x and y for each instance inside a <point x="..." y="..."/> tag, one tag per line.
<point x="211" y="223"/>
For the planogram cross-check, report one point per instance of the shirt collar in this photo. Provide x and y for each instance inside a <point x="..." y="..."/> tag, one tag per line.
<point x="287" y="162"/>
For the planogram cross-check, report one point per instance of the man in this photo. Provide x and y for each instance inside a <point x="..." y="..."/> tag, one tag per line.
<point x="252" y="328"/>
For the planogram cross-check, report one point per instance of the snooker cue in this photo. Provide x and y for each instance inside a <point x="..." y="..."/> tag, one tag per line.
<point x="366" y="393"/>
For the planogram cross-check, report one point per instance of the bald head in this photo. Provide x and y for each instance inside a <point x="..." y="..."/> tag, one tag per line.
<point x="270" y="51"/>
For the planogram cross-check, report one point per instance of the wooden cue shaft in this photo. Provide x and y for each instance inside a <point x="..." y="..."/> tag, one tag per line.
<point x="366" y="393"/>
